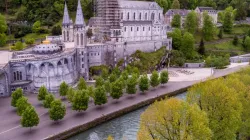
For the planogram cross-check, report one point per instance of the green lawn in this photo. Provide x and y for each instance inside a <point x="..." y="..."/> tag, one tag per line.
<point x="226" y="46"/>
<point x="237" y="30"/>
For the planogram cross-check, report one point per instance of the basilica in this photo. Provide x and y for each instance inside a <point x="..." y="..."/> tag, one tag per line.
<point x="119" y="28"/>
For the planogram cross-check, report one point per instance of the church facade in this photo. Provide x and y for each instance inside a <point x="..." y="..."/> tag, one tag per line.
<point x="69" y="56"/>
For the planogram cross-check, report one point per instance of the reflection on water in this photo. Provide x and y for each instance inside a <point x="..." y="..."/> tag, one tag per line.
<point x="125" y="127"/>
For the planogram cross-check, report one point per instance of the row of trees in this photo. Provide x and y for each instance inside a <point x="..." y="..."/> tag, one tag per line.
<point x="29" y="116"/>
<point x="114" y="84"/>
<point x="191" y="24"/>
<point x="216" y="109"/>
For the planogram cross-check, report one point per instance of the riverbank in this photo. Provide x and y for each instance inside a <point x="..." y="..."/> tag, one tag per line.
<point x="75" y="122"/>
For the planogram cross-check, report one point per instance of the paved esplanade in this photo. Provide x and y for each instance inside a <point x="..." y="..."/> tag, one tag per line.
<point x="10" y="128"/>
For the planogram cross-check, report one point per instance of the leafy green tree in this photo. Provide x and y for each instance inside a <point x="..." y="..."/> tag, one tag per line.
<point x="131" y="85"/>
<point x="247" y="43"/>
<point x="49" y="98"/>
<point x="70" y="94"/>
<point x="100" y="96"/>
<point x="22" y="104"/>
<point x="36" y="27"/>
<point x="57" y="110"/>
<point x="3" y="39"/>
<point x="164" y="77"/>
<point x="99" y="81"/>
<point x="124" y="75"/>
<point x="116" y="89"/>
<point x="187" y="45"/>
<point x="220" y="35"/>
<point x="174" y="119"/>
<point x="176" y="4"/>
<point x="208" y="29"/>
<point x="241" y="6"/>
<point x="165" y="4"/>
<point x="176" y="22"/>
<point x="236" y="40"/>
<point x="144" y="83"/>
<point x="129" y="69"/>
<point x="63" y="89"/>
<point x="116" y="71"/>
<point x="136" y="71"/>
<point x="81" y="100"/>
<point x="56" y="30"/>
<point x="222" y="106"/>
<point x="107" y="86"/>
<point x="82" y="84"/>
<point x="154" y="79"/>
<point x="42" y="93"/>
<point x="176" y="37"/>
<point x="191" y="23"/>
<point x="18" y="93"/>
<point x="30" y="41"/>
<point x="201" y="49"/>
<point x="105" y="74"/>
<point x="228" y="22"/>
<point x="29" y="117"/>
<point x="3" y="24"/>
<point x="19" y="46"/>
<point x="91" y="92"/>
<point x="112" y="78"/>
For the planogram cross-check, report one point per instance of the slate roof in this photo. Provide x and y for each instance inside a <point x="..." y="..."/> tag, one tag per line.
<point x="181" y="12"/>
<point x="79" y="15"/>
<point x="138" y="4"/>
<point x="208" y="9"/>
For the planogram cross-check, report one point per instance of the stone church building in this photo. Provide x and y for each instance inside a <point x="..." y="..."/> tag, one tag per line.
<point x="139" y="25"/>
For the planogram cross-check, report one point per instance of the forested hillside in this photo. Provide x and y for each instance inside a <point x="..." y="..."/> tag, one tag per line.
<point x="34" y="19"/>
<point x="50" y="12"/>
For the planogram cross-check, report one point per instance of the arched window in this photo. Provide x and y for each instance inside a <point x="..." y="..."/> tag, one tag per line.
<point x="146" y="16"/>
<point x="67" y="35"/>
<point x="152" y="16"/>
<point x="21" y="77"/>
<point x="159" y="16"/>
<point x="77" y="39"/>
<point x="140" y="16"/>
<point x="65" y="61"/>
<point x="17" y="75"/>
<point x="14" y="76"/>
<point x="64" y="34"/>
<point x="81" y="39"/>
<point x="59" y="63"/>
<point x="128" y="16"/>
<point x="134" y="16"/>
<point x="121" y="15"/>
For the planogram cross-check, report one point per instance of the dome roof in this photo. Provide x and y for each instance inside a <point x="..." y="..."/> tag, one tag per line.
<point x="46" y="47"/>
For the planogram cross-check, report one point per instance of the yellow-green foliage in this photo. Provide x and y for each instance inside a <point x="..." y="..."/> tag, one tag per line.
<point x="147" y="61"/>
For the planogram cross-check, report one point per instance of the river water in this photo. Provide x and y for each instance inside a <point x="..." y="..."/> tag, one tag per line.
<point x="121" y="128"/>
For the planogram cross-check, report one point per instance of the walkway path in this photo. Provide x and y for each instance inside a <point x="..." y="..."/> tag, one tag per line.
<point x="11" y="130"/>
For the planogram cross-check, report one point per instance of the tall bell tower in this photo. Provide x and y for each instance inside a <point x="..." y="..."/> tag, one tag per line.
<point x="80" y="42"/>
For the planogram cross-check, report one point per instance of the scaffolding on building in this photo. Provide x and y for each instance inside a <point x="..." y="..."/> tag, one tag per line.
<point x="109" y="12"/>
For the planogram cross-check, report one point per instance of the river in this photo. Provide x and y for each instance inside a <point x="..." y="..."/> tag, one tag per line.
<point x="121" y="128"/>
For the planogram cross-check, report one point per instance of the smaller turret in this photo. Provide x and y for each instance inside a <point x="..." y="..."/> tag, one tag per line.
<point x="67" y="26"/>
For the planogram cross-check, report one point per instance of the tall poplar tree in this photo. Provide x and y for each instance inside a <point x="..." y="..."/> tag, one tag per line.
<point x="191" y="23"/>
<point x="208" y="29"/>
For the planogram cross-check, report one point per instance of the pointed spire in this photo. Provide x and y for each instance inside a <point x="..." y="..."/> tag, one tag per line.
<point x="66" y="19"/>
<point x="79" y="15"/>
